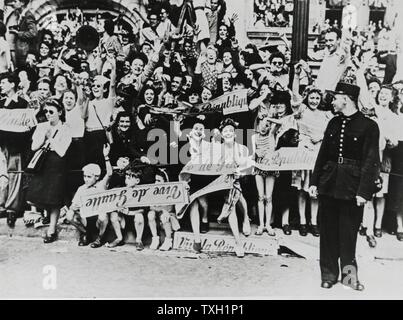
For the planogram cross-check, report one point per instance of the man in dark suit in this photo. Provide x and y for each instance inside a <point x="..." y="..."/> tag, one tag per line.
<point x="344" y="178"/>
<point x="25" y="32"/>
<point x="14" y="146"/>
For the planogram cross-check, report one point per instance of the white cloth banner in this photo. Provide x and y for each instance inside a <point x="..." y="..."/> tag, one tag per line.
<point x="161" y="194"/>
<point x="17" y="120"/>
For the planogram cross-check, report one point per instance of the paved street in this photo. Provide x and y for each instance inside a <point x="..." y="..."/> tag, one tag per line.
<point x="25" y="264"/>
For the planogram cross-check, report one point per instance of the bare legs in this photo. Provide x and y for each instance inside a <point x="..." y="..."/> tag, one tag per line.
<point x="265" y="190"/>
<point x="302" y="198"/>
<point x="139" y="226"/>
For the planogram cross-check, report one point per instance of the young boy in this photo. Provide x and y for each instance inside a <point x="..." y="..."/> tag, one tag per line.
<point x="167" y="218"/>
<point x="132" y="179"/>
<point x="92" y="184"/>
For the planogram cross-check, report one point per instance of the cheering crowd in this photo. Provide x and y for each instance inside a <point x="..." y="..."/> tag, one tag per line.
<point x="95" y="109"/>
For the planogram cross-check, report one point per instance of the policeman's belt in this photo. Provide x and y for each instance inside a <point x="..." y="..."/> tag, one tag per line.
<point x="341" y="160"/>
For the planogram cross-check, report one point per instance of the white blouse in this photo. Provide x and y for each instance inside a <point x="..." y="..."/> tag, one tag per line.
<point x="75" y="122"/>
<point x="104" y="110"/>
<point x="59" y="143"/>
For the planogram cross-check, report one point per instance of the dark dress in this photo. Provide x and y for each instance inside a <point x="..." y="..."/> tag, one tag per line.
<point x="395" y="199"/>
<point x="47" y="188"/>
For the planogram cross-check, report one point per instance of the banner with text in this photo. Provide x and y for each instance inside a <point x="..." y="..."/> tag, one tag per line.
<point x="17" y="120"/>
<point x="226" y="243"/>
<point x="289" y="159"/>
<point x="223" y="182"/>
<point x="228" y="103"/>
<point x="161" y="194"/>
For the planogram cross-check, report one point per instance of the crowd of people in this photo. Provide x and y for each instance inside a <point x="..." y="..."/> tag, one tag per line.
<point x="273" y="13"/>
<point x="96" y="108"/>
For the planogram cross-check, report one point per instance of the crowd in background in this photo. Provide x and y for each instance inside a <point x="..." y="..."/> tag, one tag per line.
<point x="96" y="107"/>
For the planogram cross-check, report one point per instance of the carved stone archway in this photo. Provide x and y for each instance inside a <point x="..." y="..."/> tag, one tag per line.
<point x="132" y="11"/>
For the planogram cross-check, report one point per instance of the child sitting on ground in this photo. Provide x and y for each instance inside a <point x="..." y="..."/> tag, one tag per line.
<point x="167" y="218"/>
<point x="132" y="179"/>
<point x="92" y="184"/>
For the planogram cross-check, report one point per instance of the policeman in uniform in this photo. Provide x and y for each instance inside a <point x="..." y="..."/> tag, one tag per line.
<point x="344" y="178"/>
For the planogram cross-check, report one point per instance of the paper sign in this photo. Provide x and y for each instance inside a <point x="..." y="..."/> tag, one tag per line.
<point x="226" y="244"/>
<point x="161" y="194"/>
<point x="289" y="159"/>
<point x="221" y="183"/>
<point x="17" y="120"/>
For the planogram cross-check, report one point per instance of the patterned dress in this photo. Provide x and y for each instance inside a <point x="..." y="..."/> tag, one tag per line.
<point x="265" y="146"/>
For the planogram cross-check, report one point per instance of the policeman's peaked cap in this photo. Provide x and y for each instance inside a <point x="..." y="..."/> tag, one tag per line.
<point x="348" y="89"/>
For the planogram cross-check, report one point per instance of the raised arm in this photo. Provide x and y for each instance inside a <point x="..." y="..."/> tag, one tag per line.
<point x="109" y="169"/>
<point x="112" y="84"/>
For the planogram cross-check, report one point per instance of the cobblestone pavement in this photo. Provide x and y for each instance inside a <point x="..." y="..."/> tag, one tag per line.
<point x="126" y="273"/>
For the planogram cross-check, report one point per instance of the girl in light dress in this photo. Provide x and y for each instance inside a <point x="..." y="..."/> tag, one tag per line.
<point x="388" y="123"/>
<point x="311" y="122"/>
<point x="201" y="7"/>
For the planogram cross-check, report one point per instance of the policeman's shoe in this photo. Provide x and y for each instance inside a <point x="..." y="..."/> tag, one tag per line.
<point x="358" y="286"/>
<point x="327" y="284"/>
<point x="399" y="236"/>
<point x="303" y="230"/>
<point x="204" y="227"/>
<point x="83" y="240"/>
<point x="315" y="230"/>
<point x="371" y="241"/>
<point x="11" y="218"/>
<point x="286" y="229"/>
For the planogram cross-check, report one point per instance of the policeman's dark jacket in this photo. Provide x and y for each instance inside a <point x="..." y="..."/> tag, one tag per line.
<point x="348" y="163"/>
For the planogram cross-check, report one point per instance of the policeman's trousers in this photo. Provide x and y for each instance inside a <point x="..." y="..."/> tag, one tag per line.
<point x="339" y="224"/>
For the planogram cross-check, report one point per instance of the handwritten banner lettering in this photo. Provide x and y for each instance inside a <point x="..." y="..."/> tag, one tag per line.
<point x="161" y="194"/>
<point x="226" y="244"/>
<point x="221" y="183"/>
<point x="289" y="159"/>
<point x="229" y="103"/>
<point x="209" y="169"/>
<point x="17" y="120"/>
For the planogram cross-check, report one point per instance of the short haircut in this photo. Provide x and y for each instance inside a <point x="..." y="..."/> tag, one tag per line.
<point x="228" y="122"/>
<point x="109" y="26"/>
<point x="53" y="102"/>
<point x="141" y="56"/>
<point x="277" y="54"/>
<point x="44" y="80"/>
<point x="12" y="78"/>
<point x="337" y="31"/>
<point x="162" y="173"/>
<point x="93" y="169"/>
<point x="133" y="167"/>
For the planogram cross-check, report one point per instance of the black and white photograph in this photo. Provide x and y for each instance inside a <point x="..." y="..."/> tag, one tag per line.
<point x="201" y="150"/>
